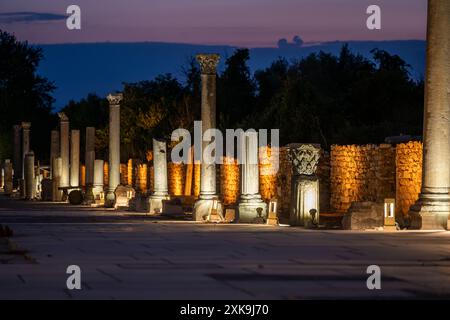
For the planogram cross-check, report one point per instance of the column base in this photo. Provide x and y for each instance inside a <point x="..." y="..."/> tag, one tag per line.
<point x="430" y="212"/>
<point x="110" y="199"/>
<point x="89" y="195"/>
<point x="155" y="204"/>
<point x="202" y="209"/>
<point x="248" y="210"/>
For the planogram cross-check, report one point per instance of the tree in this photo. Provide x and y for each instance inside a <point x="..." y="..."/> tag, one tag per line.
<point x="24" y="95"/>
<point x="236" y="91"/>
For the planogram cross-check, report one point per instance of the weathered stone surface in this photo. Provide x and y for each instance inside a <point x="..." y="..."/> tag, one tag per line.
<point x="364" y="215"/>
<point x="123" y="195"/>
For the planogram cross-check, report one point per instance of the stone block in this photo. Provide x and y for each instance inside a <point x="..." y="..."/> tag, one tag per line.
<point x="364" y="215"/>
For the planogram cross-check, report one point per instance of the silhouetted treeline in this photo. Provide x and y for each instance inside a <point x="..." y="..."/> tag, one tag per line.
<point x="322" y="99"/>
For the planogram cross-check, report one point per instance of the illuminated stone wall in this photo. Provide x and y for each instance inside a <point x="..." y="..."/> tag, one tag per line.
<point x="361" y="173"/>
<point x="142" y="177"/>
<point x="409" y="175"/>
<point x="83" y="176"/>
<point x="105" y="173"/>
<point x="123" y="174"/>
<point x="268" y="172"/>
<point x="176" y="176"/>
<point x="229" y="181"/>
<point x="284" y="183"/>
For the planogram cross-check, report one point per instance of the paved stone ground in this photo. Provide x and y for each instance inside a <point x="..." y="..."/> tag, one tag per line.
<point x="126" y="256"/>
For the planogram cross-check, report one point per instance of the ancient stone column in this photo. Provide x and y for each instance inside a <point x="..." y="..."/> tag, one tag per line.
<point x="208" y="194"/>
<point x="304" y="206"/>
<point x="89" y="159"/>
<point x="8" y="177"/>
<point x="25" y="149"/>
<point x="432" y="209"/>
<point x="64" y="149"/>
<point x="97" y="187"/>
<point x="54" y="148"/>
<point x="56" y="180"/>
<point x="161" y="191"/>
<point x="30" y="178"/>
<point x="75" y="158"/>
<point x="251" y="205"/>
<point x="17" y="157"/>
<point x="114" y="147"/>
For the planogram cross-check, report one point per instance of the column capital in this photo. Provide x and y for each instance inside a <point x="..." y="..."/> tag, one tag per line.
<point x="114" y="98"/>
<point x="26" y="125"/>
<point x="208" y="62"/>
<point x="63" y="117"/>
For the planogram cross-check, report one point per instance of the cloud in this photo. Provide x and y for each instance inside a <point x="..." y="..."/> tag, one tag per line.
<point x="29" y="16"/>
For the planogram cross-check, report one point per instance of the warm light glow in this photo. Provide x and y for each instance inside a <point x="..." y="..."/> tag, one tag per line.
<point x="389" y="208"/>
<point x="273" y="206"/>
<point x="142" y="175"/>
<point x="130" y="172"/>
<point x="230" y="180"/>
<point x="176" y="178"/>
<point x="310" y="199"/>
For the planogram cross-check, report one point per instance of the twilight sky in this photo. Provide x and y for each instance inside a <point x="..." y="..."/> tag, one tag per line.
<point x="252" y="23"/>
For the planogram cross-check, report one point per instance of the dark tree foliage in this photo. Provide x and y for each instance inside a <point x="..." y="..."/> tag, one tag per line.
<point x="340" y="100"/>
<point x="24" y="95"/>
<point x="236" y="91"/>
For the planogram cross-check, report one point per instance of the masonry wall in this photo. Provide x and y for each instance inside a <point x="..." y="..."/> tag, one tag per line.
<point x="409" y="175"/>
<point x="361" y="173"/>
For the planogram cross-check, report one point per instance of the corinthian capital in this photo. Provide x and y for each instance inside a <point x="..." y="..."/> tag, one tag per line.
<point x="208" y="63"/>
<point x="114" y="99"/>
<point x="62" y="116"/>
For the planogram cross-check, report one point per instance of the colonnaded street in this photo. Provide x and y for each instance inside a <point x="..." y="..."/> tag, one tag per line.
<point x="125" y="255"/>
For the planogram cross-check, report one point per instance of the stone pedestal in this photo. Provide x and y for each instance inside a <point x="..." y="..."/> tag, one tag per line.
<point x="97" y="188"/>
<point x="54" y="148"/>
<point x="304" y="185"/>
<point x="75" y="158"/>
<point x="56" y="180"/>
<point x="208" y="64"/>
<point x="432" y="209"/>
<point x="160" y="177"/>
<point x="8" y="177"/>
<point x="363" y="215"/>
<point x="64" y="149"/>
<point x="114" y="148"/>
<point x="30" y="178"/>
<point x="251" y="206"/>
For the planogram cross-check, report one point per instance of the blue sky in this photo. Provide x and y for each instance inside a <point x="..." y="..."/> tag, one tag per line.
<point x="251" y="23"/>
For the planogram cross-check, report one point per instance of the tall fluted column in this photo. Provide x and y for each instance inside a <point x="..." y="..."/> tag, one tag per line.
<point x="114" y="147"/>
<point x="54" y="148"/>
<point x="433" y="207"/>
<point x="64" y="149"/>
<point x="161" y="191"/>
<point x="97" y="187"/>
<point x="30" y="178"/>
<point x="208" y="64"/>
<point x="89" y="158"/>
<point x="25" y="143"/>
<point x="17" y="157"/>
<point x="250" y="202"/>
<point x="75" y="158"/>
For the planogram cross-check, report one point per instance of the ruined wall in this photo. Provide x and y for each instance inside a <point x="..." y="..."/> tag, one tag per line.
<point x="361" y="173"/>
<point x="268" y="172"/>
<point x="409" y="175"/>
<point x="283" y="186"/>
<point x="229" y="181"/>
<point x="176" y="176"/>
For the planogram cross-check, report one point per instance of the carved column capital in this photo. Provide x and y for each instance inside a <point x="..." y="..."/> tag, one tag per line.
<point x="208" y="63"/>
<point x="115" y="98"/>
<point x="62" y="116"/>
<point x="26" y="125"/>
